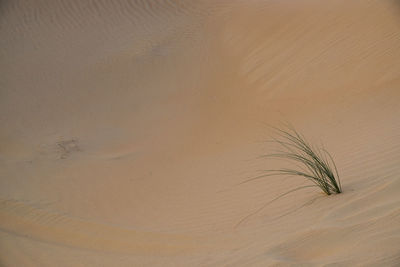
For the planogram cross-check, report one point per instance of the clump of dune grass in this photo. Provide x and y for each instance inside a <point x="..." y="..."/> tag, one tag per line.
<point x="312" y="162"/>
<point x="316" y="164"/>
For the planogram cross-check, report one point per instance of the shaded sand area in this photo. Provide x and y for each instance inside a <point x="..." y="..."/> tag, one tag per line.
<point x="127" y="125"/>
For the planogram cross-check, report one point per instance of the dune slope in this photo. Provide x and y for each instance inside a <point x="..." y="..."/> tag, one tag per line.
<point x="127" y="125"/>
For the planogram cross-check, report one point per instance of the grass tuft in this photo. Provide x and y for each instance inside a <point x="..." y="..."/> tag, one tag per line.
<point x="313" y="163"/>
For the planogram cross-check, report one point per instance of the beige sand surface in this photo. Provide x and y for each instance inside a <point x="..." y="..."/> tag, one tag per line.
<point x="127" y="125"/>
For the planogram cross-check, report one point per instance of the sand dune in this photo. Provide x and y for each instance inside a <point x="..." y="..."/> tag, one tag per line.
<point x="127" y="125"/>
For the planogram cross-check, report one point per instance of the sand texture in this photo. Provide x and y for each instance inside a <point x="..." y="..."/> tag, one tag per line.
<point x="126" y="127"/>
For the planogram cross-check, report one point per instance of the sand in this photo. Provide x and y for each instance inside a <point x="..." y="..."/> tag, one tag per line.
<point x="127" y="125"/>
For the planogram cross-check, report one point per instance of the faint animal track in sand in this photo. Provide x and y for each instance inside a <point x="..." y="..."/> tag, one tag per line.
<point x="65" y="148"/>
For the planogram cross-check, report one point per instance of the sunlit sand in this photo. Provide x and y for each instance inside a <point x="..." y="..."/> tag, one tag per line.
<point x="127" y="128"/>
